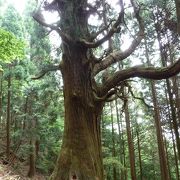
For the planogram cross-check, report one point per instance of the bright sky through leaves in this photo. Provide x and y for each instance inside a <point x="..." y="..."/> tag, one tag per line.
<point x="93" y="20"/>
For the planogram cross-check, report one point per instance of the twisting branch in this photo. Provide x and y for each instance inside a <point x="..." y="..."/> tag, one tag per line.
<point x="39" y="18"/>
<point x="105" y="20"/>
<point x="142" y="72"/>
<point x="139" y="98"/>
<point x="101" y="41"/>
<point x="105" y="28"/>
<point x="45" y="70"/>
<point x="114" y="29"/>
<point x="118" y="55"/>
<point x="105" y="97"/>
<point x="138" y="17"/>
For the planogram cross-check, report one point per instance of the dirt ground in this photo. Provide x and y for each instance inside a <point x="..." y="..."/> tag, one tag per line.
<point x="11" y="173"/>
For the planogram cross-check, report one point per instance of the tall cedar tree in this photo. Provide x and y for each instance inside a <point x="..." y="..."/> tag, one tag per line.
<point x="80" y="156"/>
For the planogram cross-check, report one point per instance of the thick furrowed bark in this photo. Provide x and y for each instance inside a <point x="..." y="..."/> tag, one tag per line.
<point x="80" y="156"/>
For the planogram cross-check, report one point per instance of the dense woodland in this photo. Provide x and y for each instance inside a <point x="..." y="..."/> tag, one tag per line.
<point x="90" y="90"/>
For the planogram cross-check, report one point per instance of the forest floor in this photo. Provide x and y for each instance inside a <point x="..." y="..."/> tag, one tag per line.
<point x="19" y="173"/>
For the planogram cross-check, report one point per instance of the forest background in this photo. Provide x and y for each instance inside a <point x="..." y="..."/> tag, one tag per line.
<point x="140" y="128"/>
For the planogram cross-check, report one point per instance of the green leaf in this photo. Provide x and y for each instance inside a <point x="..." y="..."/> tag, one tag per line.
<point x="11" y="48"/>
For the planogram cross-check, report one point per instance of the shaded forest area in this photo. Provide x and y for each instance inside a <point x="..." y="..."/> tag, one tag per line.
<point x="90" y="90"/>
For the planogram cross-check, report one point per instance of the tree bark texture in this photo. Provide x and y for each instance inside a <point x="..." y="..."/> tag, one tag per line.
<point x="177" y="2"/>
<point x="32" y="159"/>
<point x="130" y="142"/>
<point x="1" y="81"/>
<point x="113" y="142"/>
<point x="121" y="143"/>
<point x="32" y="142"/>
<point x="139" y="152"/>
<point x="80" y="156"/>
<point x="8" y="117"/>
<point x="157" y="119"/>
<point x="161" y="148"/>
<point x="164" y="58"/>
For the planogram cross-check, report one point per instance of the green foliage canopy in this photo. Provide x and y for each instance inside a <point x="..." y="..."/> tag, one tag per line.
<point x="11" y="48"/>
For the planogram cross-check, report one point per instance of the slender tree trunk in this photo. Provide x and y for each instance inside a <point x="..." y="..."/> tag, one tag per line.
<point x="177" y="2"/>
<point x="167" y="157"/>
<point x="154" y="164"/>
<point x="175" y="155"/>
<point x="164" y="58"/>
<point x="130" y="142"/>
<point x="32" y="159"/>
<point x="175" y="79"/>
<point x="32" y="142"/>
<point x="161" y="150"/>
<point x="120" y="140"/>
<point x="8" y="117"/>
<point x="176" y="85"/>
<point x="1" y="81"/>
<point x="124" y="154"/>
<point x="139" y="151"/>
<point x="173" y="114"/>
<point x="103" y="141"/>
<point x="113" y="142"/>
<point x="173" y="141"/>
<point x="25" y="112"/>
<point x="171" y="89"/>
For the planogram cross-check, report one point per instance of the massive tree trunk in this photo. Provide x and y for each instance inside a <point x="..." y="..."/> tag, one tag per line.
<point x="80" y="156"/>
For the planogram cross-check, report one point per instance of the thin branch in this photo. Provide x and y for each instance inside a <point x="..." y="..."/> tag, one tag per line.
<point x="105" y="20"/>
<point x="105" y="97"/>
<point x="142" y="72"/>
<point x="105" y="28"/>
<point x="139" y="98"/>
<point x="113" y="98"/>
<point x="114" y="29"/>
<point x="39" y="18"/>
<point x="45" y="70"/>
<point x="118" y="55"/>
<point x="100" y="41"/>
